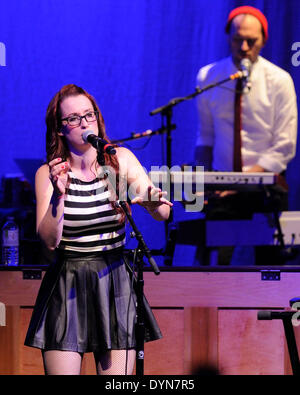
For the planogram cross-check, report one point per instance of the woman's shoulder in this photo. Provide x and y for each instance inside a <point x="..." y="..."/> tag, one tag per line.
<point x="127" y="160"/>
<point x="42" y="171"/>
<point x="123" y="152"/>
<point x="43" y="185"/>
<point x="124" y="155"/>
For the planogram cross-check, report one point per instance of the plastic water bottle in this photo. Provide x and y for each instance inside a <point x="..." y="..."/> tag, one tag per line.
<point x="10" y="243"/>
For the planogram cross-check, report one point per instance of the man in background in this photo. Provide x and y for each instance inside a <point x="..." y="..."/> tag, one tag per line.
<point x="247" y="125"/>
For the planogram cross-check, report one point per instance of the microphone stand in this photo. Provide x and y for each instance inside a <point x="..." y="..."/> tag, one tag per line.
<point x="147" y="133"/>
<point x="140" y="251"/>
<point x="286" y="317"/>
<point x="166" y="111"/>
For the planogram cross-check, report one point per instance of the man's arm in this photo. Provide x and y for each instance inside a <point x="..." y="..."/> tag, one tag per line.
<point x="283" y="148"/>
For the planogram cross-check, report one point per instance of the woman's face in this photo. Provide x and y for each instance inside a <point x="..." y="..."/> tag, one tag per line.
<point x="72" y="108"/>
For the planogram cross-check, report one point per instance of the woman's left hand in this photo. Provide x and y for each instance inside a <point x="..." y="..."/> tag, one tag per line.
<point x="153" y="199"/>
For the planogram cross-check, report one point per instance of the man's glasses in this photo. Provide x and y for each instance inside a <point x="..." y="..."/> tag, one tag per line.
<point x="75" y="120"/>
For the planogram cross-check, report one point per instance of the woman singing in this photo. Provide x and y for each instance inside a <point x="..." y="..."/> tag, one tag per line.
<point x="86" y="302"/>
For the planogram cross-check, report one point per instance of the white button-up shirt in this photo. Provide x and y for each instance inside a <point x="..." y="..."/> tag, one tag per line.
<point x="269" y="116"/>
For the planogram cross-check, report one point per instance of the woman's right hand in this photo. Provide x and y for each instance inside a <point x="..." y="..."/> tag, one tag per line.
<point x="58" y="175"/>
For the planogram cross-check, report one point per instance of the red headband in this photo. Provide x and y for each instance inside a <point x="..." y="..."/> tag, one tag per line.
<point x="252" y="11"/>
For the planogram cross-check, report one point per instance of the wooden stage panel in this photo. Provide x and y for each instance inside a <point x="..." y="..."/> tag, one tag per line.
<point x="31" y="357"/>
<point x="207" y="319"/>
<point x="220" y="288"/>
<point x="179" y="289"/>
<point x="165" y="356"/>
<point x="249" y="346"/>
<point x="161" y="356"/>
<point x="9" y="345"/>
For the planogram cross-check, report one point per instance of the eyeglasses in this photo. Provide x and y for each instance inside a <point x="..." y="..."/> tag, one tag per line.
<point x="75" y="120"/>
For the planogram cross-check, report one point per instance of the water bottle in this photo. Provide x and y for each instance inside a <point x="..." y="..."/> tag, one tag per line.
<point x="10" y="243"/>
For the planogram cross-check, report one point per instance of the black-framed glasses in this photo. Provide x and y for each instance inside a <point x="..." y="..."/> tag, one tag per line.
<point x="75" y="120"/>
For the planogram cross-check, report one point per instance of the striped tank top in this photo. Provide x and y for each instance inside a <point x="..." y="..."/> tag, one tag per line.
<point x="90" y="222"/>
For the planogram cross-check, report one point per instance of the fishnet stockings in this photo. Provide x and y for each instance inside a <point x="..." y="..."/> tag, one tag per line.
<point x="62" y="362"/>
<point x="114" y="362"/>
<point x="69" y="362"/>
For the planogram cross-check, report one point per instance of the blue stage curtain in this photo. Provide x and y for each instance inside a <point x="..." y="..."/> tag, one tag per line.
<point x="133" y="56"/>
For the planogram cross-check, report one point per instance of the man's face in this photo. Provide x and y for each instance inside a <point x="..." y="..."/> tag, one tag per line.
<point x="246" y="38"/>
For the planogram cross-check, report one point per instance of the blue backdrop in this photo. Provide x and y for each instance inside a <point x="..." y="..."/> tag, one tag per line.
<point x="133" y="56"/>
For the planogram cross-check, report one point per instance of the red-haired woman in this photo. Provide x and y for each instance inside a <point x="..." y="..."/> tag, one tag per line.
<point x="86" y="302"/>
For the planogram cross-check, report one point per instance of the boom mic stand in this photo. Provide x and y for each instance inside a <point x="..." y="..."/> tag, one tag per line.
<point x="140" y="251"/>
<point x="147" y="133"/>
<point x="166" y="112"/>
<point x="287" y="318"/>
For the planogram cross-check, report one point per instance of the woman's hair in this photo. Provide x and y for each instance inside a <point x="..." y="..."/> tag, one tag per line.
<point x="56" y="145"/>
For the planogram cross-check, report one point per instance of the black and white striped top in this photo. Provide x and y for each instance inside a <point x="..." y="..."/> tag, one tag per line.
<point x="90" y="222"/>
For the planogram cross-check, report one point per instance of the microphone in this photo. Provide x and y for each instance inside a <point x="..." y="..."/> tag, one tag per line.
<point x="97" y="142"/>
<point x="246" y="66"/>
<point x="245" y="71"/>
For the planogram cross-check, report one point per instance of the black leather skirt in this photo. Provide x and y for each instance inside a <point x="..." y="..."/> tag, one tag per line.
<point x="88" y="304"/>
